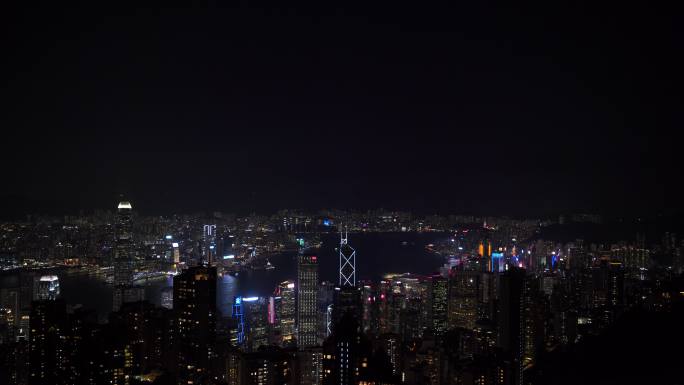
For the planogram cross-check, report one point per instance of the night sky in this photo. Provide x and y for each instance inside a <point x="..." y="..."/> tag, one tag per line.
<point x="522" y="108"/>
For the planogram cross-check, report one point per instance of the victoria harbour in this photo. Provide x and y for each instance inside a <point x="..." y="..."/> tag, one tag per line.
<point x="378" y="254"/>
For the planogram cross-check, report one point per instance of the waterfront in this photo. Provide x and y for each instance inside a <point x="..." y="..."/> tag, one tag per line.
<point x="377" y="254"/>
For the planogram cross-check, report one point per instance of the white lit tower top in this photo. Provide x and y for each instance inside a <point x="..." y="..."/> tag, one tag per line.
<point x="347" y="262"/>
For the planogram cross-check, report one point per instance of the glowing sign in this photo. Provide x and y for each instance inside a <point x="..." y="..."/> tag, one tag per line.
<point x="290" y="285"/>
<point x="250" y="299"/>
<point x="313" y="258"/>
<point x="175" y="244"/>
<point x="168" y="237"/>
<point x="229" y="256"/>
<point x="326" y="222"/>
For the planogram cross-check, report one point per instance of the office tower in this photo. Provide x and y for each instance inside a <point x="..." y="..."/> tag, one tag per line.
<point x="238" y="337"/>
<point x="384" y="307"/>
<point x="48" y="287"/>
<point x="397" y="306"/>
<point x="412" y="320"/>
<point x="369" y="320"/>
<point x="48" y="350"/>
<point x="534" y="321"/>
<point x="176" y="253"/>
<point x="270" y="365"/>
<point x="124" y="259"/>
<point x="349" y="357"/>
<point x="484" y="250"/>
<point x="347" y="300"/>
<point x="124" y="249"/>
<point x="307" y="300"/>
<point x="439" y="290"/>
<point x="347" y="263"/>
<point x="209" y="244"/>
<point x="286" y="312"/>
<point x="326" y="300"/>
<point x="256" y="317"/>
<point x="463" y="298"/>
<point x="344" y="352"/>
<point x="194" y="306"/>
<point x="511" y="318"/>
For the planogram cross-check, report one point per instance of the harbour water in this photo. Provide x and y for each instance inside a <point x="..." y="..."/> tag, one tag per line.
<point x="376" y="255"/>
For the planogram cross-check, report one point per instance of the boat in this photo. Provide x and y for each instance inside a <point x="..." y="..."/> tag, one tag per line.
<point x="269" y="266"/>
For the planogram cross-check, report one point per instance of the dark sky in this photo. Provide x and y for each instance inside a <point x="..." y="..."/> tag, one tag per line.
<point x="521" y="107"/>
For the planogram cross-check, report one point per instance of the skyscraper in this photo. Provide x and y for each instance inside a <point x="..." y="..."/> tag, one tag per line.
<point x="48" y="287"/>
<point x="286" y="312"/>
<point x="209" y="247"/>
<point x="123" y="252"/>
<point x="48" y="353"/>
<point x="439" y="306"/>
<point x="124" y="259"/>
<point x="463" y="298"/>
<point x="347" y="262"/>
<point x="194" y="305"/>
<point x="307" y="300"/>
<point x="511" y="322"/>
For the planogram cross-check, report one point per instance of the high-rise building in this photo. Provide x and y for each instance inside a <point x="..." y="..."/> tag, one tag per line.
<point x="209" y="244"/>
<point x="124" y="259"/>
<point x="48" y="287"/>
<point x="347" y="300"/>
<point x="176" y="253"/>
<point x="439" y="290"/>
<point x="48" y="353"/>
<point x="463" y="298"/>
<point x="194" y="306"/>
<point x="256" y="316"/>
<point x="286" y="312"/>
<point x="124" y="250"/>
<point x="347" y="262"/>
<point x="307" y="300"/>
<point x="511" y="318"/>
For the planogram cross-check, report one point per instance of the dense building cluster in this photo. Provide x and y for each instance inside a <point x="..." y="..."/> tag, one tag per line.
<point x="504" y="297"/>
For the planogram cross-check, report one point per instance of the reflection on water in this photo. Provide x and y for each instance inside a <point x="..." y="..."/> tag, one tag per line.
<point x="377" y="254"/>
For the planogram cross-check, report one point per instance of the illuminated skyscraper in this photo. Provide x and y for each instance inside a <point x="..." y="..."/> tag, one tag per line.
<point x="176" y="253"/>
<point x="347" y="262"/>
<point x="123" y="252"/>
<point x="124" y="259"/>
<point x="194" y="305"/>
<point x="256" y="316"/>
<point x="48" y="287"/>
<point x="307" y="300"/>
<point x="286" y="312"/>
<point x="463" y="299"/>
<point x="48" y="350"/>
<point x="439" y="305"/>
<point x="209" y="247"/>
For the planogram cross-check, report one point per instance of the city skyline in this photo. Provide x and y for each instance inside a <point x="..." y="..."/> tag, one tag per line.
<point x="341" y="193"/>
